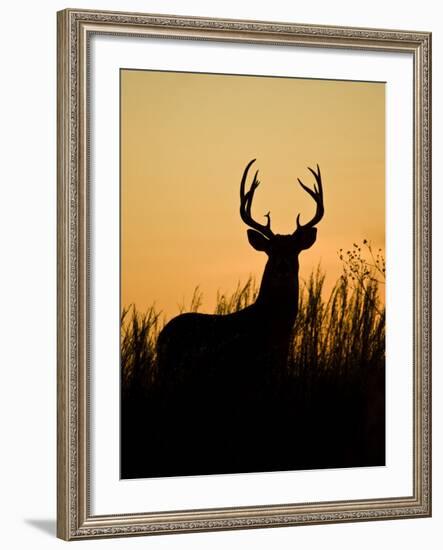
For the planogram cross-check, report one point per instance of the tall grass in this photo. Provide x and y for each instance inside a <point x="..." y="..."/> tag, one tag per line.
<point x="342" y="333"/>
<point x="139" y="333"/>
<point x="327" y="410"/>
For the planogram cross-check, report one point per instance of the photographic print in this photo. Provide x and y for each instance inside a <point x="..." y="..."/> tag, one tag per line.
<point x="252" y="273"/>
<point x="243" y="206"/>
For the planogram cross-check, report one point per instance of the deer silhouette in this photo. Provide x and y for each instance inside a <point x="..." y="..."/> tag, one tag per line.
<point x="238" y="357"/>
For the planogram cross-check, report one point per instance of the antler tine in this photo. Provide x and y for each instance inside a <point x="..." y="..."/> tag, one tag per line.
<point x="317" y="195"/>
<point x="246" y="204"/>
<point x="243" y="182"/>
<point x="317" y="176"/>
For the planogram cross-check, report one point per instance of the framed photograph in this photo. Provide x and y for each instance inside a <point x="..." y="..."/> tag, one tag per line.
<point x="243" y="274"/>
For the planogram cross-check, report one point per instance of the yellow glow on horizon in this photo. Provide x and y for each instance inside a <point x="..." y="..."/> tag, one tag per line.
<point x="185" y="141"/>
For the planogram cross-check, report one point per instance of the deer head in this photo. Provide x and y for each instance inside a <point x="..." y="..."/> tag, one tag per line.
<point x="261" y="236"/>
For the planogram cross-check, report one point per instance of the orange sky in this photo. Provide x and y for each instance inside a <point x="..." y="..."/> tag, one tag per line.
<point x="185" y="140"/>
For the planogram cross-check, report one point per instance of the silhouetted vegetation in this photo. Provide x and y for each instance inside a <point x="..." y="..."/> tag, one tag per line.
<point x="327" y="411"/>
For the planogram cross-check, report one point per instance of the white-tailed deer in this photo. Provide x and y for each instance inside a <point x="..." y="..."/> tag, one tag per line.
<point x="241" y="355"/>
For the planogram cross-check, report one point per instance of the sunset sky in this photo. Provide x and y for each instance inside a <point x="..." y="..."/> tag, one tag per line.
<point x="185" y="141"/>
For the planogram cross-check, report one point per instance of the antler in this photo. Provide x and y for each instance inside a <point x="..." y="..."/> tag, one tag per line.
<point x="246" y="203"/>
<point x="317" y="195"/>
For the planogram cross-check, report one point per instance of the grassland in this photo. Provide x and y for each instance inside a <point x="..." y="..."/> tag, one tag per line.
<point x="330" y="410"/>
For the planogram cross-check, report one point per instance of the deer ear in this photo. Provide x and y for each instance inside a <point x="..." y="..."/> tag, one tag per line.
<point x="257" y="240"/>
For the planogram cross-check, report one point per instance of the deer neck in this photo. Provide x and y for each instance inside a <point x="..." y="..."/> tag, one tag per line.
<point x="278" y="294"/>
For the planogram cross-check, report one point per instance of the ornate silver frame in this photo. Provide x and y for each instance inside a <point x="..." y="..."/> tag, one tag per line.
<point x="74" y="518"/>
